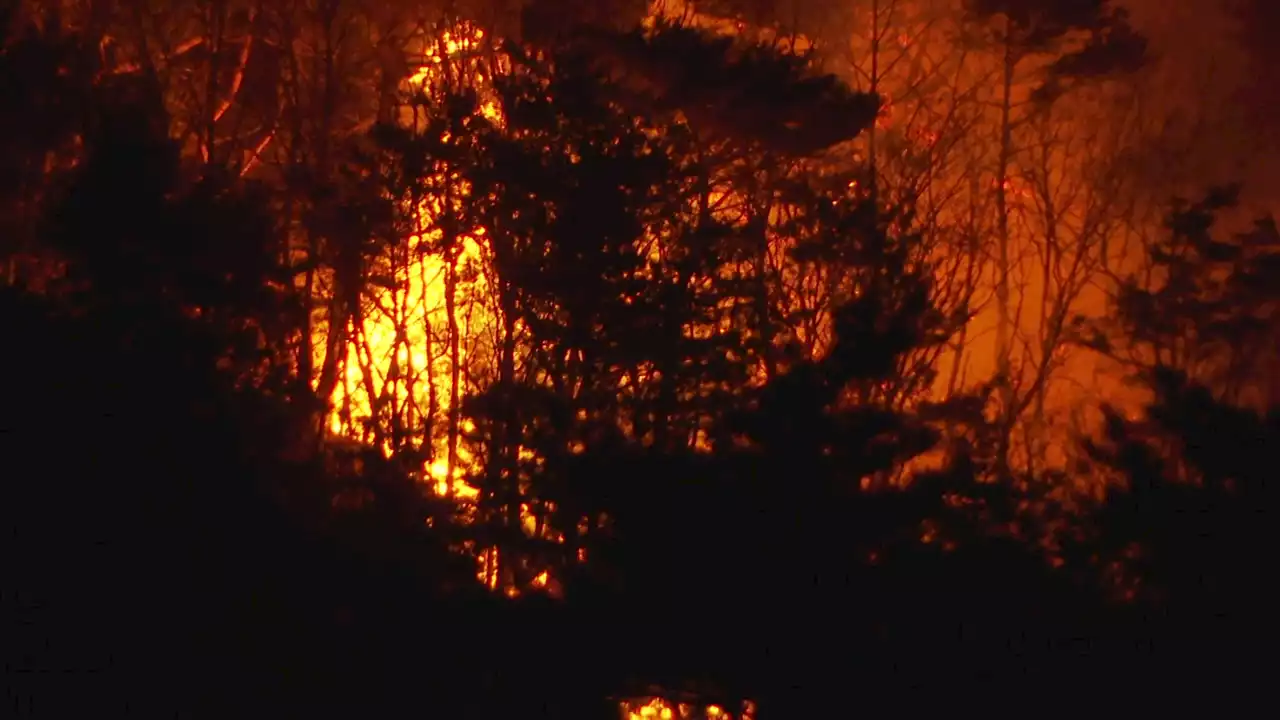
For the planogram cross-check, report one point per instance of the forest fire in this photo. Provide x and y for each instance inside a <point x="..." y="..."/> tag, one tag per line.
<point x="420" y="350"/>
<point x="621" y="364"/>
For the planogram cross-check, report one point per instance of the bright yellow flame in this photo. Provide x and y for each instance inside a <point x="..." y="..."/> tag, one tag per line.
<point x="398" y="351"/>
<point x="398" y="356"/>
<point x="399" y="368"/>
<point x="659" y="709"/>
<point x="465" y="40"/>
<point x="400" y="365"/>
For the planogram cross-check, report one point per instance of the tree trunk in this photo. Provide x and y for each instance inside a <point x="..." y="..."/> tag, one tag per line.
<point x="1004" y="329"/>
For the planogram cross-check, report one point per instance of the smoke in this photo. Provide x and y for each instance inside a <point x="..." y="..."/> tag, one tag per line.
<point x="1201" y="96"/>
<point x="1206" y="102"/>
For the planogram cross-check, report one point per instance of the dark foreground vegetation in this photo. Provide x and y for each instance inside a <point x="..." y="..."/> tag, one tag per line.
<point x="726" y="511"/>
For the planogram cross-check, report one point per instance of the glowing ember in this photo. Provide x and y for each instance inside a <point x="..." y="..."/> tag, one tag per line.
<point x="659" y="709"/>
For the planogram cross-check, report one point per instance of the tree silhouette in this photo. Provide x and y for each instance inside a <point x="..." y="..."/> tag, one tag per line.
<point x="44" y="75"/>
<point x="1201" y="305"/>
<point x="183" y="556"/>
<point x="1022" y="31"/>
<point x="732" y="89"/>
<point x="1182" y="530"/>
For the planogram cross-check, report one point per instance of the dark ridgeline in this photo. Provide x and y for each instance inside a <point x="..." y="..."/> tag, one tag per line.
<point x="179" y="542"/>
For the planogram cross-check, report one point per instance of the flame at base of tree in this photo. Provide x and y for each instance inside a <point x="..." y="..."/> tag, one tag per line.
<point x="396" y="368"/>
